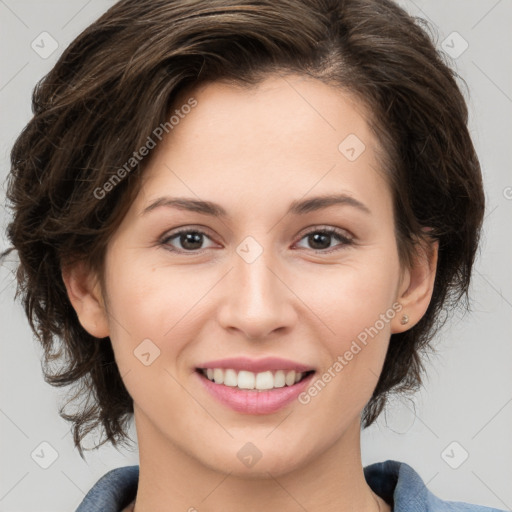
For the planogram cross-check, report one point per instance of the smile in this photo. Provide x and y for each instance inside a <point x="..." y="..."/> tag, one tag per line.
<point x="253" y="381"/>
<point x="264" y="392"/>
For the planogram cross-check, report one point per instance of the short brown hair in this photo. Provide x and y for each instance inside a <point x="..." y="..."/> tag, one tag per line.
<point x="117" y="81"/>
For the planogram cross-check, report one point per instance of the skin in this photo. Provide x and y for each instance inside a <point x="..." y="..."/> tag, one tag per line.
<point x="254" y="151"/>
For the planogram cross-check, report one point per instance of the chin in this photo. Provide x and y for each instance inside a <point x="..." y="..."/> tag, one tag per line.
<point x="248" y="461"/>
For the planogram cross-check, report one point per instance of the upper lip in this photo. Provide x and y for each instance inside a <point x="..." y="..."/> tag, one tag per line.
<point x="257" y="365"/>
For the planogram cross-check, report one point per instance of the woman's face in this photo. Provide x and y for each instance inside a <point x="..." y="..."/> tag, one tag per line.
<point x="262" y="280"/>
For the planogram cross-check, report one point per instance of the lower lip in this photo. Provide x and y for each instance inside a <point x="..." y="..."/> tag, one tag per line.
<point x="253" y="401"/>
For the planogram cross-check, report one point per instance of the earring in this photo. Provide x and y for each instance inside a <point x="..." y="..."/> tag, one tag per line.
<point x="404" y="320"/>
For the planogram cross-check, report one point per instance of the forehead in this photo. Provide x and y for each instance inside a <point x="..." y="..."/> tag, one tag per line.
<point x="287" y="135"/>
<point x="278" y="104"/>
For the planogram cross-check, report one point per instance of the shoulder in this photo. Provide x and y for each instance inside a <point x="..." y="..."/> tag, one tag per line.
<point x="113" y="491"/>
<point x="399" y="484"/>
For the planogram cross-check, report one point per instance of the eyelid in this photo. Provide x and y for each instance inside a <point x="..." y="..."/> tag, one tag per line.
<point x="346" y="238"/>
<point x="173" y="233"/>
<point x="331" y="229"/>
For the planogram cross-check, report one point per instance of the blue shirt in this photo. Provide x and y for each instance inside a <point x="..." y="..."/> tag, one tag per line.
<point x="395" y="482"/>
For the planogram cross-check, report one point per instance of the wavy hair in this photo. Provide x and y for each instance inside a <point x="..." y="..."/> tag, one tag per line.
<point x="117" y="81"/>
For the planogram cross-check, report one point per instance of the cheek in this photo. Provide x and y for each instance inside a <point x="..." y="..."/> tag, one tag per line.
<point x="355" y="304"/>
<point x="352" y="296"/>
<point x="148" y="331"/>
<point x="144" y="310"/>
<point x="143" y="298"/>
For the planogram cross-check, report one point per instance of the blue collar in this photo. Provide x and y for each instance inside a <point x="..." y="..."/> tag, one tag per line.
<point x="396" y="482"/>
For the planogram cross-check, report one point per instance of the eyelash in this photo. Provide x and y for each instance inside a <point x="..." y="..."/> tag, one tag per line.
<point x="330" y="231"/>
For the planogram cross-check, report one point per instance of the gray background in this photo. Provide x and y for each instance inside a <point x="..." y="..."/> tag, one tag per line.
<point x="467" y="398"/>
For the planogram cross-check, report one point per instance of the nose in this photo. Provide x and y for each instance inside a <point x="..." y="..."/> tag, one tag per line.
<point x="257" y="301"/>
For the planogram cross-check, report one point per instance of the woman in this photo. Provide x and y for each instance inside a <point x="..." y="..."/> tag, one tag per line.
<point x="241" y="221"/>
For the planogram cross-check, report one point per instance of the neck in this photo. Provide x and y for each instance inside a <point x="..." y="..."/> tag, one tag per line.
<point x="171" y="479"/>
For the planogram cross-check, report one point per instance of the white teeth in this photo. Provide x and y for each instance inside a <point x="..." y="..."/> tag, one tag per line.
<point x="218" y="376"/>
<point x="246" y="380"/>
<point x="230" y="378"/>
<point x="250" y="380"/>
<point x="279" y="379"/>
<point x="290" y="378"/>
<point x="264" y="380"/>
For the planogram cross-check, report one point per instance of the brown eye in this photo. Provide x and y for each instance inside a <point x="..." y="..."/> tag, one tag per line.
<point x="189" y="240"/>
<point x="321" y="239"/>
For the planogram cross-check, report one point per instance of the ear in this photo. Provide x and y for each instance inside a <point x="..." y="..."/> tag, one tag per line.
<point x="416" y="286"/>
<point x="85" y="294"/>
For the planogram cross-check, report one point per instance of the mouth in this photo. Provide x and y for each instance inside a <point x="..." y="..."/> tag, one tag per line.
<point x="254" y="386"/>
<point x="252" y="381"/>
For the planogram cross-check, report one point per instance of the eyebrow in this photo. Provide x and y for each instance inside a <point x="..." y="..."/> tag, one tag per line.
<point x="298" y="207"/>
